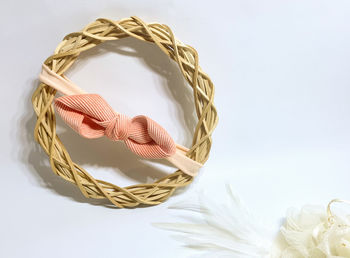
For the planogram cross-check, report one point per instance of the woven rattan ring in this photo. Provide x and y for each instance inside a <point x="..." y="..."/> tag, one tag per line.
<point x="92" y="117"/>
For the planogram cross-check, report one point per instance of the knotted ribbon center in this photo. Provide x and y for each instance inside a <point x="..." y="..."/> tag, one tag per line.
<point x="118" y="129"/>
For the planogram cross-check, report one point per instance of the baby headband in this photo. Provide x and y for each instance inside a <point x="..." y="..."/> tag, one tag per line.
<point x="92" y="117"/>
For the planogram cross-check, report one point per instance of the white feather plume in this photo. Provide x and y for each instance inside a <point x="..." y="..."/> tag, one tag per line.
<point x="222" y="230"/>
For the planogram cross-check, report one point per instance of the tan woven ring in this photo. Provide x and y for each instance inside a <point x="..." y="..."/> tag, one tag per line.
<point x="66" y="53"/>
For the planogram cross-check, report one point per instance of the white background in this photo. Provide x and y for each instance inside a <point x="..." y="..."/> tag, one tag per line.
<point x="281" y="71"/>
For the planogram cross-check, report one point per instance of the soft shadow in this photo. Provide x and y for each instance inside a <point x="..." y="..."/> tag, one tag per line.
<point x="103" y="152"/>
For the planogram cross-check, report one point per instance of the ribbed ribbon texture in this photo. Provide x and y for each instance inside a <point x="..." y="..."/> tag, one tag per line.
<point x="92" y="117"/>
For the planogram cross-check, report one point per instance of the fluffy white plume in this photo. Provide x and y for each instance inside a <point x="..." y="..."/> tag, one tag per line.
<point x="222" y="230"/>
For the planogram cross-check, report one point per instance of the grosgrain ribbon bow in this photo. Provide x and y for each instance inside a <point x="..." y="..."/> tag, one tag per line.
<point x="92" y="117"/>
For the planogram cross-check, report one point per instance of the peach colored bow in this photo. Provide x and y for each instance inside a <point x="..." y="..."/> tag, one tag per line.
<point x="92" y="117"/>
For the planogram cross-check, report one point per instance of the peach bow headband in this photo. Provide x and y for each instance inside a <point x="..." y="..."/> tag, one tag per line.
<point x="92" y="117"/>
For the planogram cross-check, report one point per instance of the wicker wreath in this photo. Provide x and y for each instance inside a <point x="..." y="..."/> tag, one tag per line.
<point x="66" y="53"/>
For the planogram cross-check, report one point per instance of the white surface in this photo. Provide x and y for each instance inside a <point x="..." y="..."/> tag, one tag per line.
<point x="281" y="70"/>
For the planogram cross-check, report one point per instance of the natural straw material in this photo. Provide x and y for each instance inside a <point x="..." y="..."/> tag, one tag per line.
<point x="64" y="56"/>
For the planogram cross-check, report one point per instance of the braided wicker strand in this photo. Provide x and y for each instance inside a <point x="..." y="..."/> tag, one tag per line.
<point x="64" y="56"/>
